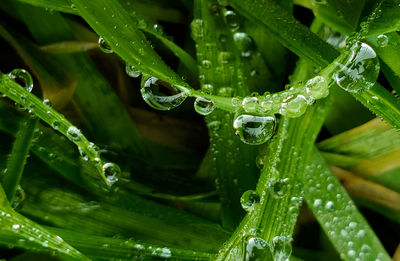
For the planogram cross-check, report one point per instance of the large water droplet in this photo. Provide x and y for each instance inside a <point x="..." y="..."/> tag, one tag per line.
<point x="257" y="249"/>
<point x="249" y="199"/>
<point x="103" y="45"/>
<point x="23" y="78"/>
<point x="254" y="130"/>
<point x="294" y="106"/>
<point x="359" y="68"/>
<point x="244" y="43"/>
<point x="74" y="134"/>
<point x="203" y="106"/>
<point x="131" y="71"/>
<point x="161" y="95"/>
<point x="111" y="172"/>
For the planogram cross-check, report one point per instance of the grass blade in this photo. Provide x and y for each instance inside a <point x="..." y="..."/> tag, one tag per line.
<point x="304" y="43"/>
<point x="330" y="199"/>
<point x="18" y="156"/>
<point x="28" y="231"/>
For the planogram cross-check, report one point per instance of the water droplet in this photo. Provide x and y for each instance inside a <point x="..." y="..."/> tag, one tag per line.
<point x="111" y="172"/>
<point x="361" y="233"/>
<point x="131" y="71"/>
<point x="197" y="27"/>
<point x="162" y="252"/>
<point x="206" y="64"/>
<point x="74" y="134"/>
<point x="103" y="45"/>
<point x="232" y="19"/>
<point x="359" y="68"/>
<point x="249" y="199"/>
<point x="161" y="95"/>
<point x="382" y="40"/>
<point x="317" y="203"/>
<point x="317" y="88"/>
<point x="282" y="248"/>
<point x="203" y="106"/>
<point x="279" y="187"/>
<point x="245" y="44"/>
<point x="23" y="78"/>
<point x="330" y="205"/>
<point x="257" y="249"/>
<point x="16" y="227"/>
<point x="254" y="130"/>
<point x="294" y="106"/>
<point x="250" y="104"/>
<point x="55" y="125"/>
<point x="226" y="92"/>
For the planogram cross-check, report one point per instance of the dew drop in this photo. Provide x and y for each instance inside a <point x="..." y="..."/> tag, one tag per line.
<point x="250" y="104"/>
<point x="161" y="95"/>
<point x="254" y="130"/>
<point x="294" y="106"/>
<point x="317" y="203"/>
<point x="382" y="40"/>
<point x="245" y="44"/>
<point x="74" y="134"/>
<point x="131" y="71"/>
<point x="16" y="227"/>
<point x="329" y="205"/>
<point x="232" y="19"/>
<point x="317" y="88"/>
<point x="203" y="106"/>
<point x="111" y="172"/>
<point x="55" y="125"/>
<point x="103" y="45"/>
<point x="279" y="187"/>
<point x="359" y="68"/>
<point x="282" y="248"/>
<point x="257" y="249"/>
<point x="249" y="199"/>
<point x="197" y="27"/>
<point x="23" y="78"/>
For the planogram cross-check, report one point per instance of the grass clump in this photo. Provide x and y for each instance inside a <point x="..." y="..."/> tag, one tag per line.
<point x="199" y="130"/>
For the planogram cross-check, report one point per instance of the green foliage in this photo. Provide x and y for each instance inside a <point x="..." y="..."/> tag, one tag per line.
<point x="290" y="170"/>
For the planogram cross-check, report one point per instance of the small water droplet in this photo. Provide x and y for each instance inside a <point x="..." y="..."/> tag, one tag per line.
<point x="254" y="130"/>
<point x="249" y="199"/>
<point x="279" y="187"/>
<point x="203" y="106"/>
<point x="74" y="134"/>
<point x="16" y="227"/>
<point x="162" y="252"/>
<point x="382" y="40"/>
<point x="317" y="88"/>
<point x="257" y="249"/>
<point x="161" y="95"/>
<point x="23" y="78"/>
<point x="282" y="248"/>
<point x="232" y="19"/>
<point x="293" y="106"/>
<point x="245" y="44"/>
<point x="317" y="203"/>
<point x="111" y="172"/>
<point x="197" y="27"/>
<point x="250" y="104"/>
<point x="55" y="125"/>
<point x="330" y="205"/>
<point x="103" y="45"/>
<point x="359" y="68"/>
<point x="131" y="71"/>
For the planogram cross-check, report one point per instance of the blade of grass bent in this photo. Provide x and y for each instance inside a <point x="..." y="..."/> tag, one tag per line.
<point x="23" y="97"/>
<point x="304" y="43"/>
<point x="110" y="20"/>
